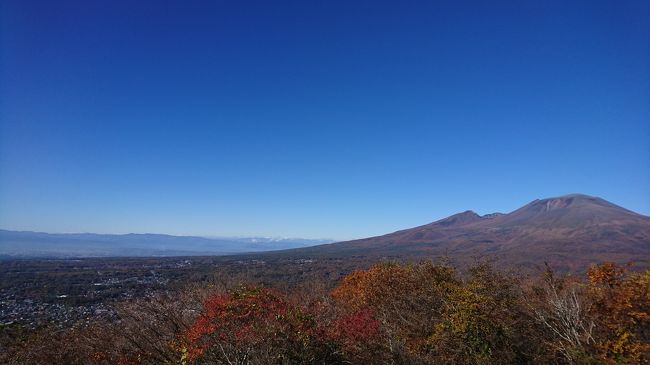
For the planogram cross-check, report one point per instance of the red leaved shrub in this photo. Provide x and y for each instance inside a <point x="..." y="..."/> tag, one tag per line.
<point x="256" y="325"/>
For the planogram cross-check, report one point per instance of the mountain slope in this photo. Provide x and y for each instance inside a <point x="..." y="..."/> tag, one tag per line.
<point x="570" y="231"/>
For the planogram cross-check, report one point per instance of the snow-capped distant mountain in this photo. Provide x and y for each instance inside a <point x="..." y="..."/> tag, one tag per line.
<point x="38" y="244"/>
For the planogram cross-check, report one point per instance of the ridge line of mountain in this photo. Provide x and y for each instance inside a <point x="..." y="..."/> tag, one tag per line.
<point x="574" y="231"/>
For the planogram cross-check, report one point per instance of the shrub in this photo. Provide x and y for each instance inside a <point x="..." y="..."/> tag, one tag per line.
<point x="254" y="325"/>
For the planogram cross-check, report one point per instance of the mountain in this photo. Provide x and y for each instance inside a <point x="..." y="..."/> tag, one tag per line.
<point x="38" y="244"/>
<point x="571" y="232"/>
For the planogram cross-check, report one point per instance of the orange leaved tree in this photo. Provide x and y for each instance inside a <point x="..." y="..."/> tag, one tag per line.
<point x="621" y="311"/>
<point x="428" y="313"/>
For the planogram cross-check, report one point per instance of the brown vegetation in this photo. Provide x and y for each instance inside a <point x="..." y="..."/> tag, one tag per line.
<point x="424" y="313"/>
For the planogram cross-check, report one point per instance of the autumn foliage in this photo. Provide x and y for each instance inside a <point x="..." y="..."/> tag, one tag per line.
<point x="424" y="313"/>
<point x="429" y="313"/>
<point x="621" y="309"/>
<point x="256" y="325"/>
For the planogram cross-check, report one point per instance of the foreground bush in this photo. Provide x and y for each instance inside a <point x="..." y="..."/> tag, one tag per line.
<point x="621" y="311"/>
<point x="430" y="314"/>
<point x="253" y="325"/>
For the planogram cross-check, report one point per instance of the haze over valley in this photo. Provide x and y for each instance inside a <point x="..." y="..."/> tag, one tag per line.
<point x="17" y="244"/>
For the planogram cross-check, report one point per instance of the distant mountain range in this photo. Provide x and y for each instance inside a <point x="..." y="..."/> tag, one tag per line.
<point x="14" y="244"/>
<point x="571" y="231"/>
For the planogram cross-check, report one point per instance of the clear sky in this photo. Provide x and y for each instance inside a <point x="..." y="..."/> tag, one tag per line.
<point x="333" y="119"/>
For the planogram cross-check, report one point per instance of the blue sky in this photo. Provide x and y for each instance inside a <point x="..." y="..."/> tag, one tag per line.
<point x="335" y="119"/>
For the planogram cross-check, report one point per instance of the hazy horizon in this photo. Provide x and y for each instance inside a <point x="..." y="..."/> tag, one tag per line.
<point x="217" y="236"/>
<point x="331" y="120"/>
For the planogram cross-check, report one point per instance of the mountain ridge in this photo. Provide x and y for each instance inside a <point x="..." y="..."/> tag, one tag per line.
<point x="573" y="230"/>
<point x="31" y="244"/>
